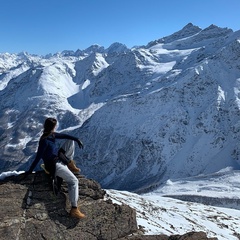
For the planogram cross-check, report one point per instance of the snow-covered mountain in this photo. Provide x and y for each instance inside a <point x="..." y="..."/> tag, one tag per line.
<point x="207" y="207"/>
<point x="166" y="110"/>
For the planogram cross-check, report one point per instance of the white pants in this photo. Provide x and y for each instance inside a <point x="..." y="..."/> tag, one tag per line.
<point x="69" y="148"/>
<point x="63" y="172"/>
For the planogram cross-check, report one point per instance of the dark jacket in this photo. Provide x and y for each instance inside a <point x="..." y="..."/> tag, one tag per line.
<point x="48" y="151"/>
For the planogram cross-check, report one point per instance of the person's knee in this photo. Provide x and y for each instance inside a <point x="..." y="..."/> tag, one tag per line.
<point x="71" y="143"/>
<point x="68" y="144"/>
<point x="73" y="181"/>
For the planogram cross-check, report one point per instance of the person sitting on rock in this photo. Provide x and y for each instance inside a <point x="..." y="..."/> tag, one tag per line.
<point x="59" y="162"/>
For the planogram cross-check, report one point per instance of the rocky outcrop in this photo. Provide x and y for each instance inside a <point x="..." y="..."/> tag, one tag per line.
<point x="30" y="210"/>
<point x="187" y="236"/>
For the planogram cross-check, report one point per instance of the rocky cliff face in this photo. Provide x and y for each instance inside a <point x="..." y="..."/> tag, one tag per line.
<point x="29" y="210"/>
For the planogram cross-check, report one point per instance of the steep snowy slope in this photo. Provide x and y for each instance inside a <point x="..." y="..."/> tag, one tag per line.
<point x="177" y="117"/>
<point x="166" y="110"/>
<point x="41" y="90"/>
<point x="164" y="215"/>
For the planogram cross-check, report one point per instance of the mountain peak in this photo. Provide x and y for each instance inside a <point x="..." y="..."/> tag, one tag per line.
<point x="218" y="30"/>
<point x="117" y="48"/>
<point x="190" y="29"/>
<point x="94" y="48"/>
<point x="186" y="31"/>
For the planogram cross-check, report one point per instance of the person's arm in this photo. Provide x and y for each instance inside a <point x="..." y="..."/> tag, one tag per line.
<point x="41" y="148"/>
<point x="66" y="136"/>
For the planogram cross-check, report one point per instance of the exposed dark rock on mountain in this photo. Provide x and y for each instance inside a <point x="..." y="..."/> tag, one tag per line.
<point x="187" y="236"/>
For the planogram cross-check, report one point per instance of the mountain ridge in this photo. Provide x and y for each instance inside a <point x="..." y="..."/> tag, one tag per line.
<point x="144" y="114"/>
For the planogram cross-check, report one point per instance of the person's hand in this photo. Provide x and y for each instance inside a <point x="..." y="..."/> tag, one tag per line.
<point x="80" y="144"/>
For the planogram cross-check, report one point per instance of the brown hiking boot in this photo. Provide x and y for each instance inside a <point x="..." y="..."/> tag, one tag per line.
<point x="72" y="167"/>
<point x="75" y="212"/>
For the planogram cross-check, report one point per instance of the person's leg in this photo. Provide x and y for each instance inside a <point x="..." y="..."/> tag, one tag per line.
<point x="68" y="148"/>
<point x="63" y="172"/>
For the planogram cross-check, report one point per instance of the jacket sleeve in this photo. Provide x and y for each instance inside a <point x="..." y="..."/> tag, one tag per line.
<point x="41" y="148"/>
<point x="65" y="136"/>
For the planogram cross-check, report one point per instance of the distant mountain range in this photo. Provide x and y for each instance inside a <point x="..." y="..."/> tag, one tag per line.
<point x="169" y="109"/>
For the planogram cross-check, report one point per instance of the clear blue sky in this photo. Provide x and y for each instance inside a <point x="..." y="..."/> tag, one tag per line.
<point x="50" y="26"/>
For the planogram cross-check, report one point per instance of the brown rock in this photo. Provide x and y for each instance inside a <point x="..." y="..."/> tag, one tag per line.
<point x="187" y="236"/>
<point x="191" y="236"/>
<point x="30" y="210"/>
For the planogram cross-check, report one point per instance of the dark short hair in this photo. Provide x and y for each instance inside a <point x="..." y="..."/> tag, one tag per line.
<point x="49" y="124"/>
